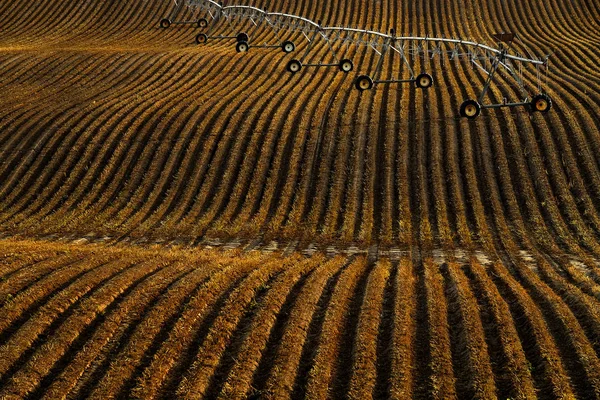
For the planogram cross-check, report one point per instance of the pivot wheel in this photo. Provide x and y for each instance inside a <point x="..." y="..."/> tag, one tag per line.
<point x="294" y="66"/>
<point x="241" y="47"/>
<point x="201" y="38"/>
<point x="202" y="23"/>
<point x="346" y="65"/>
<point x="288" y="47"/>
<point x="541" y="103"/>
<point x="242" y="37"/>
<point x="424" y="81"/>
<point x="165" y="23"/>
<point x="364" y="82"/>
<point x="470" y="109"/>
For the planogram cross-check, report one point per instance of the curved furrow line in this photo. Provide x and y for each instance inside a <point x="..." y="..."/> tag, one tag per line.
<point x="12" y="257"/>
<point x="11" y="63"/>
<point x="85" y="173"/>
<point x="507" y="357"/>
<point x="189" y="194"/>
<point x="450" y="206"/>
<point x="565" y="63"/>
<point x="418" y="199"/>
<point x="85" y="118"/>
<point x="581" y="344"/>
<point x="56" y="119"/>
<point x="106" y="328"/>
<point x="21" y="279"/>
<point x="142" y="122"/>
<point x="295" y="190"/>
<point x="364" y="356"/>
<point x="24" y="69"/>
<point x="351" y="197"/>
<point x="21" y="16"/>
<point x="327" y="360"/>
<point x="524" y="124"/>
<point x="234" y="323"/>
<point x="472" y="159"/>
<point x="281" y="186"/>
<point x="119" y="327"/>
<point x="400" y="383"/>
<point x="161" y="373"/>
<point x="345" y="170"/>
<point x="119" y="29"/>
<point x="403" y="224"/>
<point x="569" y="87"/>
<point x="333" y="209"/>
<point x="14" y="119"/>
<point x="179" y="196"/>
<point x="384" y="174"/>
<point x="49" y="25"/>
<point x="63" y="334"/>
<point x="550" y="378"/>
<point x="135" y="193"/>
<point x="555" y="16"/>
<point x="198" y="211"/>
<point x="60" y="23"/>
<point x="298" y="209"/>
<point x="576" y="205"/>
<point x="309" y="338"/>
<point x="580" y="360"/>
<point x="240" y="112"/>
<point x="143" y="17"/>
<point x="581" y="15"/>
<point x="46" y="137"/>
<point x="100" y="182"/>
<point x="368" y="208"/>
<point x="55" y="67"/>
<point x="584" y="308"/>
<point x="11" y="265"/>
<point x="456" y="196"/>
<point x="225" y="174"/>
<point x="324" y="174"/>
<point x="253" y="189"/>
<point x="472" y="364"/>
<point x="260" y="350"/>
<point x="436" y="377"/>
<point x="27" y="338"/>
<point x="77" y="70"/>
<point x="62" y="274"/>
<point x="582" y="274"/>
<point x="359" y="188"/>
<point x="424" y="180"/>
<point x="385" y="217"/>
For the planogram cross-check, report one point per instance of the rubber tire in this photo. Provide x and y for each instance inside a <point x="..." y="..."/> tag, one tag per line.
<point x="165" y="23"/>
<point x="202" y="23"/>
<point x="346" y="63"/>
<point x="201" y="38"/>
<point x="470" y="109"/>
<point x="364" y="82"/>
<point x="242" y="37"/>
<point x="428" y="81"/>
<point x="288" y="47"/>
<point x="241" y="47"/>
<point x="541" y="103"/>
<point x="294" y="66"/>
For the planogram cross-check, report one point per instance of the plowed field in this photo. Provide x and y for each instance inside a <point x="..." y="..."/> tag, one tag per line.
<point x="273" y="235"/>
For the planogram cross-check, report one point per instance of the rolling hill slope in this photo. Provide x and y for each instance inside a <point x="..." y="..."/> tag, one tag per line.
<point x="447" y="257"/>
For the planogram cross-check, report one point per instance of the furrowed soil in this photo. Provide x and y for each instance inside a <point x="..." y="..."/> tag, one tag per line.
<point x="185" y="221"/>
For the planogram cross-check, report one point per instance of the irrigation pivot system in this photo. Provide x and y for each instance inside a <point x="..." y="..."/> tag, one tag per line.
<point x="238" y="20"/>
